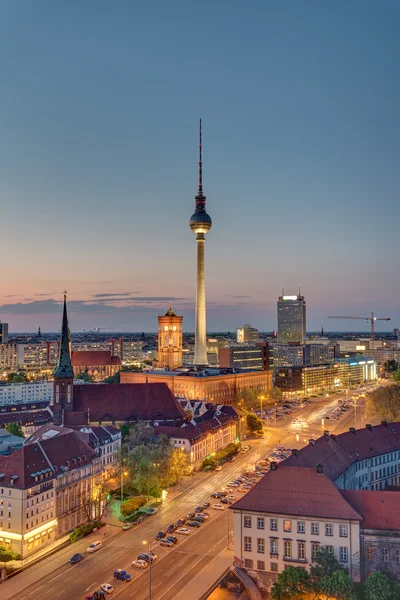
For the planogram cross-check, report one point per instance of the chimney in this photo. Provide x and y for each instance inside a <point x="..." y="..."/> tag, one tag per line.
<point x="273" y="466"/>
<point x="368" y="426"/>
<point x="353" y="430"/>
<point x="384" y="423"/>
<point x="320" y="468"/>
<point x="295" y="452"/>
<point x="326" y="434"/>
<point x="312" y="442"/>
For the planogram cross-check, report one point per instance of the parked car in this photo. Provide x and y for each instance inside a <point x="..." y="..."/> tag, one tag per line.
<point x="180" y="522"/>
<point x="203" y="514"/>
<point x="190" y="515"/>
<point x="140" y="564"/>
<point x="75" y="559"/>
<point x="107" y="588"/>
<point x="198" y="519"/>
<point x="94" y="547"/>
<point x="183" y="531"/>
<point x="173" y="539"/>
<point x="148" y="557"/>
<point x="198" y="509"/>
<point x="122" y="575"/>
<point x="223" y="493"/>
<point x="231" y="497"/>
<point x="152" y="511"/>
<point x="225" y="501"/>
<point x="160" y="535"/>
<point x="218" y="507"/>
<point x="166" y="542"/>
<point x="127" y="526"/>
<point x="219" y="468"/>
<point x="216" y="495"/>
<point x="193" y="524"/>
<point x="171" y="529"/>
<point x="206" y="505"/>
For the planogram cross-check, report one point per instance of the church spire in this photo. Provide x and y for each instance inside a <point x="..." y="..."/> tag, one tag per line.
<point x="64" y="368"/>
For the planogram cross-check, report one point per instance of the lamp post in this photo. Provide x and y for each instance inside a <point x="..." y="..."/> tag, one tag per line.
<point x="150" y="563"/>
<point x="261" y="406"/>
<point x="123" y="473"/>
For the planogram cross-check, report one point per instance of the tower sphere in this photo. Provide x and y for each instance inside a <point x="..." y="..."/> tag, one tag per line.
<point x="200" y="222"/>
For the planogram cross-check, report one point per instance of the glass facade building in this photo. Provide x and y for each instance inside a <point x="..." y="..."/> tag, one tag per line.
<point x="291" y="319"/>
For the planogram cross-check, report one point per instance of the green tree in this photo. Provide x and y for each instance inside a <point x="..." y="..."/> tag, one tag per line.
<point x="113" y="378"/>
<point x="254" y="423"/>
<point x="385" y="402"/>
<point x="325" y="564"/>
<point x="7" y="555"/>
<point x="132" y="504"/>
<point x="338" y="585"/>
<point x="96" y="502"/>
<point x="17" y="378"/>
<point x="391" y="365"/>
<point x="15" y="429"/>
<point x="275" y="395"/>
<point x="379" y="586"/>
<point x="178" y="464"/>
<point x="292" y="584"/>
<point x="85" y="377"/>
<point x="247" y="399"/>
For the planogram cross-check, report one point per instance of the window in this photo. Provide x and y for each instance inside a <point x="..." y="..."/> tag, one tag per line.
<point x="260" y="545"/>
<point x="247" y="543"/>
<point x="287" y="549"/>
<point x="260" y="523"/>
<point x="370" y="554"/>
<point x="260" y="565"/>
<point x="315" y="528"/>
<point x="273" y="524"/>
<point x="248" y="563"/>
<point x="398" y="556"/>
<point x="328" y="529"/>
<point x="287" y="525"/>
<point x="314" y="549"/>
<point x="343" y="530"/>
<point x="301" y="550"/>
<point x="330" y="550"/>
<point x="301" y="526"/>
<point x="385" y="554"/>
<point x="247" y="521"/>
<point x="273" y="546"/>
<point x="274" y="566"/>
<point x="343" y="554"/>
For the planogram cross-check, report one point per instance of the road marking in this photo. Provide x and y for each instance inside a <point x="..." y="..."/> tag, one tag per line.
<point x="178" y="580"/>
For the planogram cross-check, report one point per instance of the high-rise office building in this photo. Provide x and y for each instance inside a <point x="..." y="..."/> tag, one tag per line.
<point x="200" y="224"/>
<point x="247" y="333"/>
<point x="3" y="333"/>
<point x="291" y="319"/>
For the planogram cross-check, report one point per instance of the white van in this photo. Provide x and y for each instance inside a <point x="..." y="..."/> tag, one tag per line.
<point x="94" y="547"/>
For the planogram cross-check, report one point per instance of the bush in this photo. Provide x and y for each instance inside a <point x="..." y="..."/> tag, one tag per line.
<point x="220" y="457"/>
<point x="132" y="504"/>
<point x="82" y="531"/>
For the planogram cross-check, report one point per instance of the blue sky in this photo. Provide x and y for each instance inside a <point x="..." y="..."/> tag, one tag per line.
<point x="99" y="110"/>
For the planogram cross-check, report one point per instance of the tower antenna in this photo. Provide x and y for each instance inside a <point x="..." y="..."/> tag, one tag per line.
<point x="200" y="164"/>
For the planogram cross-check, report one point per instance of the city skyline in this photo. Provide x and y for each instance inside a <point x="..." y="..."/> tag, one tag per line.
<point x="98" y="179"/>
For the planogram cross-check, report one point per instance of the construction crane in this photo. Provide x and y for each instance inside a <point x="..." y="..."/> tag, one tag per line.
<point x="371" y="319"/>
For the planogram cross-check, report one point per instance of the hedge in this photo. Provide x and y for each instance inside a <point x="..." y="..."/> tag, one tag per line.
<point x="81" y="532"/>
<point x="132" y="504"/>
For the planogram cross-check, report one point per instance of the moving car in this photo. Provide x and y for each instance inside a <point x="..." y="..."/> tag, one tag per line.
<point x="94" y="547"/>
<point x="140" y="564"/>
<point x="166" y="542"/>
<point x="127" y="526"/>
<point x="107" y="588"/>
<point x="218" y="507"/>
<point x="183" y="531"/>
<point x="76" y="558"/>
<point x="122" y="575"/>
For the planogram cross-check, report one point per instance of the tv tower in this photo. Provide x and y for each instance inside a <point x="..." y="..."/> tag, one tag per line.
<point x="200" y="224"/>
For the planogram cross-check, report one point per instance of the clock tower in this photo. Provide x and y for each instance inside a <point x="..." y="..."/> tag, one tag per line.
<point x="170" y="340"/>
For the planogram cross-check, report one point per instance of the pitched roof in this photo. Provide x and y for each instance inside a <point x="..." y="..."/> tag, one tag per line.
<point x="127" y="402"/>
<point x="47" y="452"/>
<point x="94" y="358"/>
<point x="297" y="491"/>
<point x="379" y="510"/>
<point x="337" y="452"/>
<point x="196" y="429"/>
<point x="22" y="418"/>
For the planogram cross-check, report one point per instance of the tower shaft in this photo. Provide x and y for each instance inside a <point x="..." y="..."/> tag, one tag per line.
<point x="200" y="348"/>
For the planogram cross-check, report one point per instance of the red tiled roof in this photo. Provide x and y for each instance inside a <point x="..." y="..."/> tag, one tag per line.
<point x="73" y="419"/>
<point x="337" y="453"/>
<point x="379" y="510"/>
<point x="40" y="454"/>
<point x="127" y="402"/>
<point x="93" y="358"/>
<point x="297" y="491"/>
<point x="22" y="418"/>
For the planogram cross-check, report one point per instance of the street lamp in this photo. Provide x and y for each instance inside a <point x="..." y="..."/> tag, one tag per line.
<point x="123" y="473"/>
<point x="261" y="405"/>
<point x="150" y="562"/>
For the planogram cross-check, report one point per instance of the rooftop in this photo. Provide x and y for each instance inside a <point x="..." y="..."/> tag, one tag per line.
<point x="96" y="358"/>
<point x="379" y="510"/>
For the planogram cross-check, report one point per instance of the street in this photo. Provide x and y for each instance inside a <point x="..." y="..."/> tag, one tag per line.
<point x="54" y="577"/>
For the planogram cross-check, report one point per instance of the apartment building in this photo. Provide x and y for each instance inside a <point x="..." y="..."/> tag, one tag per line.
<point x="37" y="391"/>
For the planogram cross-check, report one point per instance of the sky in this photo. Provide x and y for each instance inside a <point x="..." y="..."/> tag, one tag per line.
<point x="99" y="110"/>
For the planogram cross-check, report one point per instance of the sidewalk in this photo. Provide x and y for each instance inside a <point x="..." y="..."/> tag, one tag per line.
<point x="18" y="565"/>
<point x="203" y="583"/>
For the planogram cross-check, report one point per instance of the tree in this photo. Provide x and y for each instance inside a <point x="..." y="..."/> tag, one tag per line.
<point x="254" y="423"/>
<point x="391" y="365"/>
<point x="17" y="378"/>
<point x="385" y="402"/>
<point x="113" y="378"/>
<point x="139" y="433"/>
<point x="85" y="377"/>
<point x="325" y="564"/>
<point x="132" y="505"/>
<point x="247" y="399"/>
<point x="15" y="429"/>
<point x="379" y="586"/>
<point x="292" y="584"/>
<point x="7" y="555"/>
<point x="275" y="394"/>
<point x="96" y="501"/>
<point x="338" y="585"/>
<point x="178" y="464"/>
